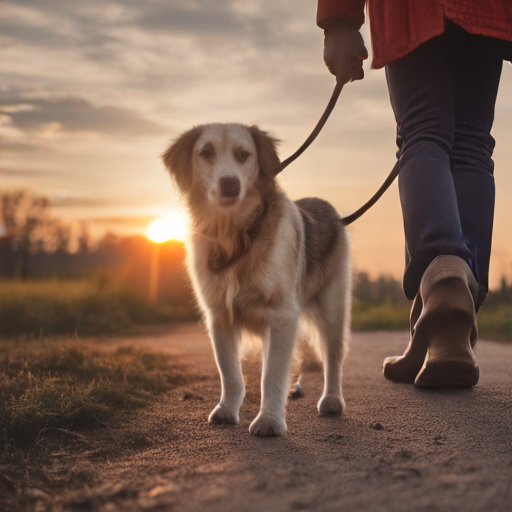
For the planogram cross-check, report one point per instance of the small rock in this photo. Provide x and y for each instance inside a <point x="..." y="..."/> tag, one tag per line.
<point x="161" y="489"/>
<point x="376" y="425"/>
<point x="187" y="396"/>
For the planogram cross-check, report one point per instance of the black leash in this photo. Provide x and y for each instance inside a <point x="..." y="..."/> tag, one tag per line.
<point x="387" y="183"/>
<point x="314" y="134"/>
<point x="318" y="128"/>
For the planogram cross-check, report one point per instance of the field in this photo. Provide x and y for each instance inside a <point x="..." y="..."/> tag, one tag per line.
<point x="494" y="320"/>
<point x="96" y="306"/>
<point x="56" y="387"/>
<point x="85" y="307"/>
<point x="69" y="392"/>
<point x="396" y="449"/>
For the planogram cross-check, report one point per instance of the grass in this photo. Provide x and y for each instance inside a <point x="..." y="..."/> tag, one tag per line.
<point x="91" y="307"/>
<point x="87" y="307"/>
<point x="386" y="317"/>
<point x="494" y="320"/>
<point x="50" y="387"/>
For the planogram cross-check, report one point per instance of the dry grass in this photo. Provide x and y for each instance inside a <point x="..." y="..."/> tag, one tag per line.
<point x="65" y="402"/>
<point x="48" y="387"/>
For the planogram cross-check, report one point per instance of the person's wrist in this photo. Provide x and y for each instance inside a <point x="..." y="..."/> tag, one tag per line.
<point x="339" y="23"/>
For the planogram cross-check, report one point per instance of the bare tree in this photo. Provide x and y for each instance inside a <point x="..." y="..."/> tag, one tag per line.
<point x="29" y="226"/>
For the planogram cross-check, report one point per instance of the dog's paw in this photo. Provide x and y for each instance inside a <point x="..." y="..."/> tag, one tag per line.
<point x="331" y="404"/>
<point x="222" y="416"/>
<point x="297" y="391"/>
<point x="264" y="425"/>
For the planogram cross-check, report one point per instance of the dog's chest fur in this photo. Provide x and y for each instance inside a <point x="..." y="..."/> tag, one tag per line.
<point x="242" y="277"/>
<point x="239" y="293"/>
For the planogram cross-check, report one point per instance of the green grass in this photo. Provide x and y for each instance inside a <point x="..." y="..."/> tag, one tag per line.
<point x="385" y="317"/>
<point x="495" y="322"/>
<point x="49" y="386"/>
<point x="91" y="307"/>
<point x="87" y="307"/>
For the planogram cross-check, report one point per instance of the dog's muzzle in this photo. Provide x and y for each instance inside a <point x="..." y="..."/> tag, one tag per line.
<point x="229" y="186"/>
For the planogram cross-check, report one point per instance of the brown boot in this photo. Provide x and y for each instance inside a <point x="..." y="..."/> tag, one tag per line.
<point x="405" y="368"/>
<point x="441" y="318"/>
<point x="447" y="324"/>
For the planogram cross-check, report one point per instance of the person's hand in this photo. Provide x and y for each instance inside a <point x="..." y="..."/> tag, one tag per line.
<point x="344" y="52"/>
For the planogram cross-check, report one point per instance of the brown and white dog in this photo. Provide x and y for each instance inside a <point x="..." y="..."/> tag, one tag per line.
<point x="259" y="262"/>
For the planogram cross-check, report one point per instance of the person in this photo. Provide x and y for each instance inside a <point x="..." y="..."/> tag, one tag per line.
<point x="443" y="62"/>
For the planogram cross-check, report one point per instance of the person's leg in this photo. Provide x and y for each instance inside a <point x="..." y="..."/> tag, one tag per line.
<point x="421" y="88"/>
<point x="422" y="92"/>
<point x="477" y="71"/>
<point x="452" y="107"/>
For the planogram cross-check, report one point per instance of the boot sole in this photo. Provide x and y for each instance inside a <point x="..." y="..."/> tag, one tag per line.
<point x="396" y="372"/>
<point x="449" y="374"/>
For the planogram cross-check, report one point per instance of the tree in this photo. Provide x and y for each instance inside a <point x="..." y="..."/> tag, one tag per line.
<point x="28" y="226"/>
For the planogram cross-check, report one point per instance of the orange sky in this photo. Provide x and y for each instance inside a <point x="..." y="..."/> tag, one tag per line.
<point x="91" y="93"/>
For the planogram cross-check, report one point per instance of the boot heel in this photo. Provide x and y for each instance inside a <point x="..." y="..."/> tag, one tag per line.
<point x="450" y="361"/>
<point x="447" y="374"/>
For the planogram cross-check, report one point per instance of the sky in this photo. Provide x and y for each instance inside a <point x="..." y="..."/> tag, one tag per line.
<point x="91" y="93"/>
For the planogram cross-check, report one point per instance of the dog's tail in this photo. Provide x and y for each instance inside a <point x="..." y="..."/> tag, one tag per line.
<point x="358" y="213"/>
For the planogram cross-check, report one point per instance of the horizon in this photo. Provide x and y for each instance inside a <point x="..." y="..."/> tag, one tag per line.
<point x="92" y="93"/>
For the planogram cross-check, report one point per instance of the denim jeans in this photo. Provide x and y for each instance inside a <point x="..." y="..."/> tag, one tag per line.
<point x="443" y="95"/>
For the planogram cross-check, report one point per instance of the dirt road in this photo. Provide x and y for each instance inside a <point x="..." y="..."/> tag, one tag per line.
<point x="397" y="448"/>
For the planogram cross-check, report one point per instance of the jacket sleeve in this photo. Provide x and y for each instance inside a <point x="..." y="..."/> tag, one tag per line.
<point x="335" y="12"/>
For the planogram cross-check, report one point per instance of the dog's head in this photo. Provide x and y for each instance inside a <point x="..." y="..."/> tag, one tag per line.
<point x="223" y="161"/>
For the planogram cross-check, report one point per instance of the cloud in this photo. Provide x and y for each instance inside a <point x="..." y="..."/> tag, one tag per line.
<point x="74" y="114"/>
<point x="30" y="34"/>
<point x="206" y="18"/>
<point x="97" y="22"/>
<point x="22" y="148"/>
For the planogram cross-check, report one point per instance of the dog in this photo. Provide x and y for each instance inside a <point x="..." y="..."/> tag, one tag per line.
<point x="259" y="263"/>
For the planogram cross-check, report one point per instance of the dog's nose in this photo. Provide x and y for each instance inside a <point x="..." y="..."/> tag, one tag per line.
<point x="229" y="186"/>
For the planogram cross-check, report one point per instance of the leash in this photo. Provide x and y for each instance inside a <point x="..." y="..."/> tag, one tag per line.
<point x="314" y="134"/>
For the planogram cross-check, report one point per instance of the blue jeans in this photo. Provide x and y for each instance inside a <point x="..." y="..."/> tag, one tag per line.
<point x="443" y="95"/>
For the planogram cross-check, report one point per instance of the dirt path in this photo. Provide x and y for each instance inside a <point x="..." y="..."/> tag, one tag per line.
<point x="397" y="448"/>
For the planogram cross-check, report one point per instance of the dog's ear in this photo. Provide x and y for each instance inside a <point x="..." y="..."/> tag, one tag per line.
<point x="178" y="158"/>
<point x="266" y="146"/>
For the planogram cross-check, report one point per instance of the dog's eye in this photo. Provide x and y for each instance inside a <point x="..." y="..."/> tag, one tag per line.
<point x="206" y="152"/>
<point x="242" y="155"/>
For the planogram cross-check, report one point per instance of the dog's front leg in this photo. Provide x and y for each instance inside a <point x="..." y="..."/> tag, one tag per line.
<point x="226" y="346"/>
<point x="278" y="345"/>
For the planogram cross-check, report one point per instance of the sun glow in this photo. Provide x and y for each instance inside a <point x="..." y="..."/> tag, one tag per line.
<point x="164" y="228"/>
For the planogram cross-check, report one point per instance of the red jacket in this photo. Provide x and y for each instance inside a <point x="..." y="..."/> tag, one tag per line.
<point x="399" y="26"/>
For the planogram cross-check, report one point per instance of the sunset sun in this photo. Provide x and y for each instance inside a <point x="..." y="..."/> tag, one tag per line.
<point x="170" y="226"/>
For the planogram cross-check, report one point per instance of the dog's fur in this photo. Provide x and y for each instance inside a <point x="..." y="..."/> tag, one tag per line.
<point x="258" y="262"/>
